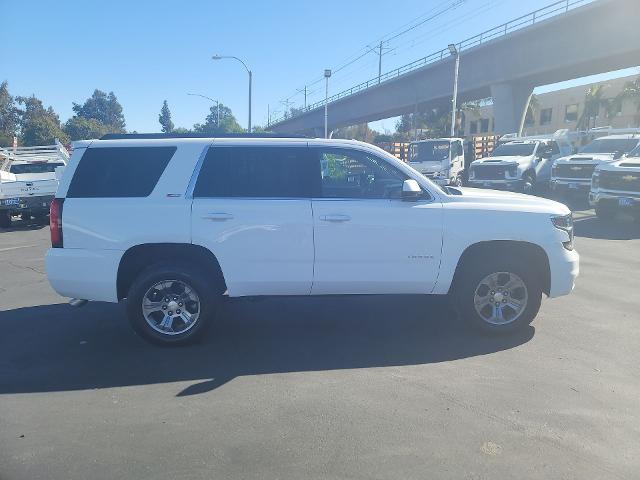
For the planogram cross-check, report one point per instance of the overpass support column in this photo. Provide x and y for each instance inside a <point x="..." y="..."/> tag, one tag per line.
<point x="510" y="102"/>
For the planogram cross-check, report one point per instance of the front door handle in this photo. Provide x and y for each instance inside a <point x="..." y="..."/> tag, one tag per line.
<point x="335" y="218"/>
<point x="218" y="216"/>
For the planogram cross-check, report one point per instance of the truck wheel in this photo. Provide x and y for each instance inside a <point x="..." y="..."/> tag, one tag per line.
<point x="458" y="181"/>
<point x="528" y="184"/>
<point x="5" y="220"/>
<point x="498" y="296"/>
<point x="606" y="214"/>
<point x="171" y="304"/>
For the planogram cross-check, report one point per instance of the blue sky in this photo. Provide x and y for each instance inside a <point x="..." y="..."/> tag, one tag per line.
<point x="148" y="51"/>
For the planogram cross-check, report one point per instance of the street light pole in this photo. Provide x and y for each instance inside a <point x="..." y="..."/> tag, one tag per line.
<point x="327" y="74"/>
<point x="220" y="57"/>
<point x="454" y="51"/>
<point x="217" y="106"/>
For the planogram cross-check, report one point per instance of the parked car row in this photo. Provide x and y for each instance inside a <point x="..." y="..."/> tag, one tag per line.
<point x="606" y="171"/>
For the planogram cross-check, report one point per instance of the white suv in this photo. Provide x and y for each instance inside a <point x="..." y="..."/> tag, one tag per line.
<point x="173" y="224"/>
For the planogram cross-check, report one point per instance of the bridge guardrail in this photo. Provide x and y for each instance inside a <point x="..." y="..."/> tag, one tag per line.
<point x="552" y="10"/>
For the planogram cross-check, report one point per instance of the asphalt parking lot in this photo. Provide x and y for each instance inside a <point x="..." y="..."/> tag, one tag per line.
<point x="383" y="387"/>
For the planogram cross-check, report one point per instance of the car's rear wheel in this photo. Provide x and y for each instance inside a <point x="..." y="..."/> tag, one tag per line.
<point x="528" y="184"/>
<point x="172" y="304"/>
<point x="499" y="296"/>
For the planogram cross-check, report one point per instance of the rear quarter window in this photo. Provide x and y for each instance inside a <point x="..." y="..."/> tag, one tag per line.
<point x="119" y="172"/>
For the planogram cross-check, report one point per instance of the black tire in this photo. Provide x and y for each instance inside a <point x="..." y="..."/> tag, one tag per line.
<point x="473" y="273"/>
<point x="5" y="219"/>
<point x="528" y="183"/>
<point x="605" y="213"/>
<point x="458" y="182"/>
<point x="208" y="293"/>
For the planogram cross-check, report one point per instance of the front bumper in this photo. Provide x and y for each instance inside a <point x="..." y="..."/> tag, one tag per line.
<point x="626" y="200"/>
<point x="512" y="185"/>
<point x="39" y="204"/>
<point x="564" y="266"/>
<point x="569" y="186"/>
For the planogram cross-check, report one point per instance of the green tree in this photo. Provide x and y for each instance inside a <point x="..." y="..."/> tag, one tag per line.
<point x="593" y="100"/>
<point x="360" y="132"/>
<point x="39" y="125"/>
<point x="165" y="118"/>
<point x="9" y="116"/>
<point x="104" y="108"/>
<point x="631" y="91"/>
<point x="212" y="125"/>
<point x="433" y="122"/>
<point x="80" y="128"/>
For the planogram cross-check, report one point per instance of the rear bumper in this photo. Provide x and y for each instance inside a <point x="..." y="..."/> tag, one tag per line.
<point x="85" y="274"/>
<point x="564" y="267"/>
<point x="31" y="205"/>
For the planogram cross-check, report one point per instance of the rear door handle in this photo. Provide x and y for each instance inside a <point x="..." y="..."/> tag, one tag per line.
<point x="335" y="218"/>
<point x="218" y="216"/>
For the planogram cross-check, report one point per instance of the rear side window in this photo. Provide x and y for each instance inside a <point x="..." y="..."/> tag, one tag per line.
<point x="119" y="172"/>
<point x="276" y="172"/>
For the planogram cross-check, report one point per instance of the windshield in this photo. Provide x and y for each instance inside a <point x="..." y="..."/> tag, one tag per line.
<point x="429" y="152"/>
<point x="514" y="150"/>
<point x="34" y="168"/>
<point x="635" y="152"/>
<point x="610" y="145"/>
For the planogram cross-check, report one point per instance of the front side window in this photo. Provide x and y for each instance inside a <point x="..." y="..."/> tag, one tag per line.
<point x="354" y="174"/>
<point x="256" y="172"/>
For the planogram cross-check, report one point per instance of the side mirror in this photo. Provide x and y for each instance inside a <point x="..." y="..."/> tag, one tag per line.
<point x="411" y="190"/>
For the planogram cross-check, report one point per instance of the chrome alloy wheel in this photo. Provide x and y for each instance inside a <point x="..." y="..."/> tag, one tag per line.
<point x="500" y="298"/>
<point x="171" y="307"/>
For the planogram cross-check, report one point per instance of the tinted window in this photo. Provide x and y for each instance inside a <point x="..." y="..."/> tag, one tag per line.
<point x="429" y="151"/>
<point x="353" y="174"/>
<point x="514" y="149"/>
<point x="119" y="172"/>
<point x="610" y="145"/>
<point x="256" y="172"/>
<point x="34" y="168"/>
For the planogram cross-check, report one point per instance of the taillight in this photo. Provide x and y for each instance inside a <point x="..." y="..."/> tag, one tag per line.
<point x="55" y="222"/>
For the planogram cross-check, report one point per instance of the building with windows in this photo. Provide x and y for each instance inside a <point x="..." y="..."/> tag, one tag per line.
<point x="560" y="109"/>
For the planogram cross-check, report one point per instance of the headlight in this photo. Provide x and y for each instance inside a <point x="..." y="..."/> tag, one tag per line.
<point x="595" y="180"/>
<point x="513" y="171"/>
<point x="564" y="223"/>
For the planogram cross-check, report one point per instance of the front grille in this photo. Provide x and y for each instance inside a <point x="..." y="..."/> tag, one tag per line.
<point x="629" y="182"/>
<point x="489" y="172"/>
<point x="573" y="171"/>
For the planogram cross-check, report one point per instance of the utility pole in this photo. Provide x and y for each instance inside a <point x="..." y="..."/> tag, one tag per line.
<point x="454" y="51"/>
<point x="304" y="90"/>
<point x="380" y="62"/>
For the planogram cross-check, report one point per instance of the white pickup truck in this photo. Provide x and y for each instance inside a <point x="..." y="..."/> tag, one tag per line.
<point x="29" y="178"/>
<point x="615" y="187"/>
<point x="572" y="174"/>
<point x="172" y="224"/>
<point x="520" y="164"/>
<point x="441" y="160"/>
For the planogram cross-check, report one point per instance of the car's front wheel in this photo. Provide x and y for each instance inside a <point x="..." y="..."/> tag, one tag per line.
<point x="499" y="296"/>
<point x="171" y="304"/>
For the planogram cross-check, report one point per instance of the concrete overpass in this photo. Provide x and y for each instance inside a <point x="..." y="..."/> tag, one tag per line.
<point x="572" y="40"/>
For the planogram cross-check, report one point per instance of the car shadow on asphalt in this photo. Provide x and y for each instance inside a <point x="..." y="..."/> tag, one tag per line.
<point x="621" y="227"/>
<point x="23" y="225"/>
<point x="60" y="348"/>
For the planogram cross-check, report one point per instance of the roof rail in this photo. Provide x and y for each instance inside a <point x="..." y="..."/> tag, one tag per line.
<point x="140" y="136"/>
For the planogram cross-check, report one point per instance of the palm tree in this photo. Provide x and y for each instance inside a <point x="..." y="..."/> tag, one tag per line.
<point x="592" y="102"/>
